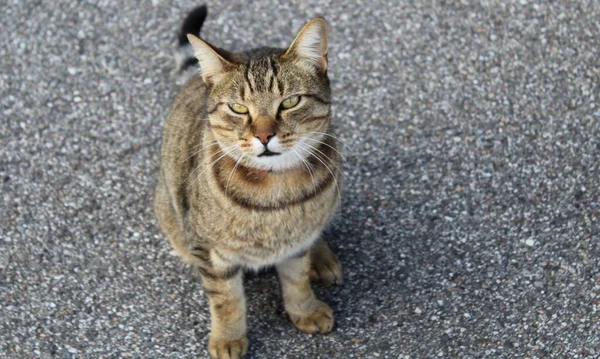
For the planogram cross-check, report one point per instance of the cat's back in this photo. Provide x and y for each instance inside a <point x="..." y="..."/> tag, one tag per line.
<point x="182" y="134"/>
<point x="187" y="106"/>
<point x="183" y="125"/>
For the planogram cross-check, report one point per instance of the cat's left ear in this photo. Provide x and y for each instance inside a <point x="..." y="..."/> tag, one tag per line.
<point x="212" y="64"/>
<point x="309" y="47"/>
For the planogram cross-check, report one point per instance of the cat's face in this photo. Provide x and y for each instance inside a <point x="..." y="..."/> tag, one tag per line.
<point x="270" y="112"/>
<point x="269" y="108"/>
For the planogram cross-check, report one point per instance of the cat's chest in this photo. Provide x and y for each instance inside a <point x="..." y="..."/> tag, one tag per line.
<point x="263" y="239"/>
<point x="272" y="230"/>
<point x="270" y="252"/>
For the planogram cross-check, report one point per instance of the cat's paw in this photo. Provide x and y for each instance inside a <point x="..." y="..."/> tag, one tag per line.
<point x="325" y="266"/>
<point x="321" y="320"/>
<point x="227" y="349"/>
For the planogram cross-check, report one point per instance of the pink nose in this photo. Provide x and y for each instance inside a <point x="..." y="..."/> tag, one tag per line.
<point x="264" y="136"/>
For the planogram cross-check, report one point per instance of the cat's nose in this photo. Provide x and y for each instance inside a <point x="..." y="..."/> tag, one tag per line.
<point x="264" y="136"/>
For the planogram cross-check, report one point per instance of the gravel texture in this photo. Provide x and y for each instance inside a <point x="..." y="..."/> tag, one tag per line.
<point x="471" y="218"/>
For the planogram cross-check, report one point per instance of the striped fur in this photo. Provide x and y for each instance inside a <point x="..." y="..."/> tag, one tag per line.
<point x="224" y="208"/>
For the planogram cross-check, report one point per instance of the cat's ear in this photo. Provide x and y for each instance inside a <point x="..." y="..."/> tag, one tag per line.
<point x="212" y="65"/>
<point x="310" y="45"/>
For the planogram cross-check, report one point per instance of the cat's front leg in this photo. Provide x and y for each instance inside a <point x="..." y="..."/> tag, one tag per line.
<point x="225" y="291"/>
<point x="308" y="314"/>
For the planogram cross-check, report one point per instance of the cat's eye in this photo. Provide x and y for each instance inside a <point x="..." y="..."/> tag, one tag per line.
<point x="290" y="102"/>
<point x="237" y="108"/>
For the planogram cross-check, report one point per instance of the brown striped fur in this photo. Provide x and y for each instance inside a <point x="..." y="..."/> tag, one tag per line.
<point x="223" y="209"/>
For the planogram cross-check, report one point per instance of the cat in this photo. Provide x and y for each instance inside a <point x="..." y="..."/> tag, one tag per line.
<point x="250" y="177"/>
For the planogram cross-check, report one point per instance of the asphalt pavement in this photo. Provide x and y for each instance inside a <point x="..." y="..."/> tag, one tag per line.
<point x="470" y="225"/>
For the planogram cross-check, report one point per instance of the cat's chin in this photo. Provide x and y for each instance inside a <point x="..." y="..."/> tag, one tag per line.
<point x="280" y="162"/>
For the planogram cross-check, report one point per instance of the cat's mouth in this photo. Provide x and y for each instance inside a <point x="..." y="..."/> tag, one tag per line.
<point x="268" y="153"/>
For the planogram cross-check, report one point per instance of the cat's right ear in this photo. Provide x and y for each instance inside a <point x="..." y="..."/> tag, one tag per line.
<point x="310" y="45"/>
<point x="212" y="65"/>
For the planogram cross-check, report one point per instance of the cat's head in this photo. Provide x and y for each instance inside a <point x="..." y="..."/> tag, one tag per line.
<point x="269" y="107"/>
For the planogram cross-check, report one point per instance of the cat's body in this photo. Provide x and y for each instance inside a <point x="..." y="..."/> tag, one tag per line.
<point x="253" y="217"/>
<point x="249" y="178"/>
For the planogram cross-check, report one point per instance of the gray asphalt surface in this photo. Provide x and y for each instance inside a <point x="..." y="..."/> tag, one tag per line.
<point x="470" y="224"/>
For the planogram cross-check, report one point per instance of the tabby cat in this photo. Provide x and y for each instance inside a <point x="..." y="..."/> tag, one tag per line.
<point x="249" y="178"/>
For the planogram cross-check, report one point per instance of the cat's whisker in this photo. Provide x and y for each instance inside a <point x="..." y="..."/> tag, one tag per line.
<point x="332" y="136"/>
<point x="195" y="118"/>
<point x="328" y="145"/>
<point x="198" y="166"/>
<point x="352" y="149"/>
<point x="211" y="165"/>
<point x="307" y="165"/>
<point x="324" y="155"/>
<point x="210" y="143"/>
<point x="332" y="175"/>
<point x="225" y="153"/>
<point x="232" y="171"/>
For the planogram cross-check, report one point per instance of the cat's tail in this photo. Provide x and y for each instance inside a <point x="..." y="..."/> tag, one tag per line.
<point x="184" y="58"/>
